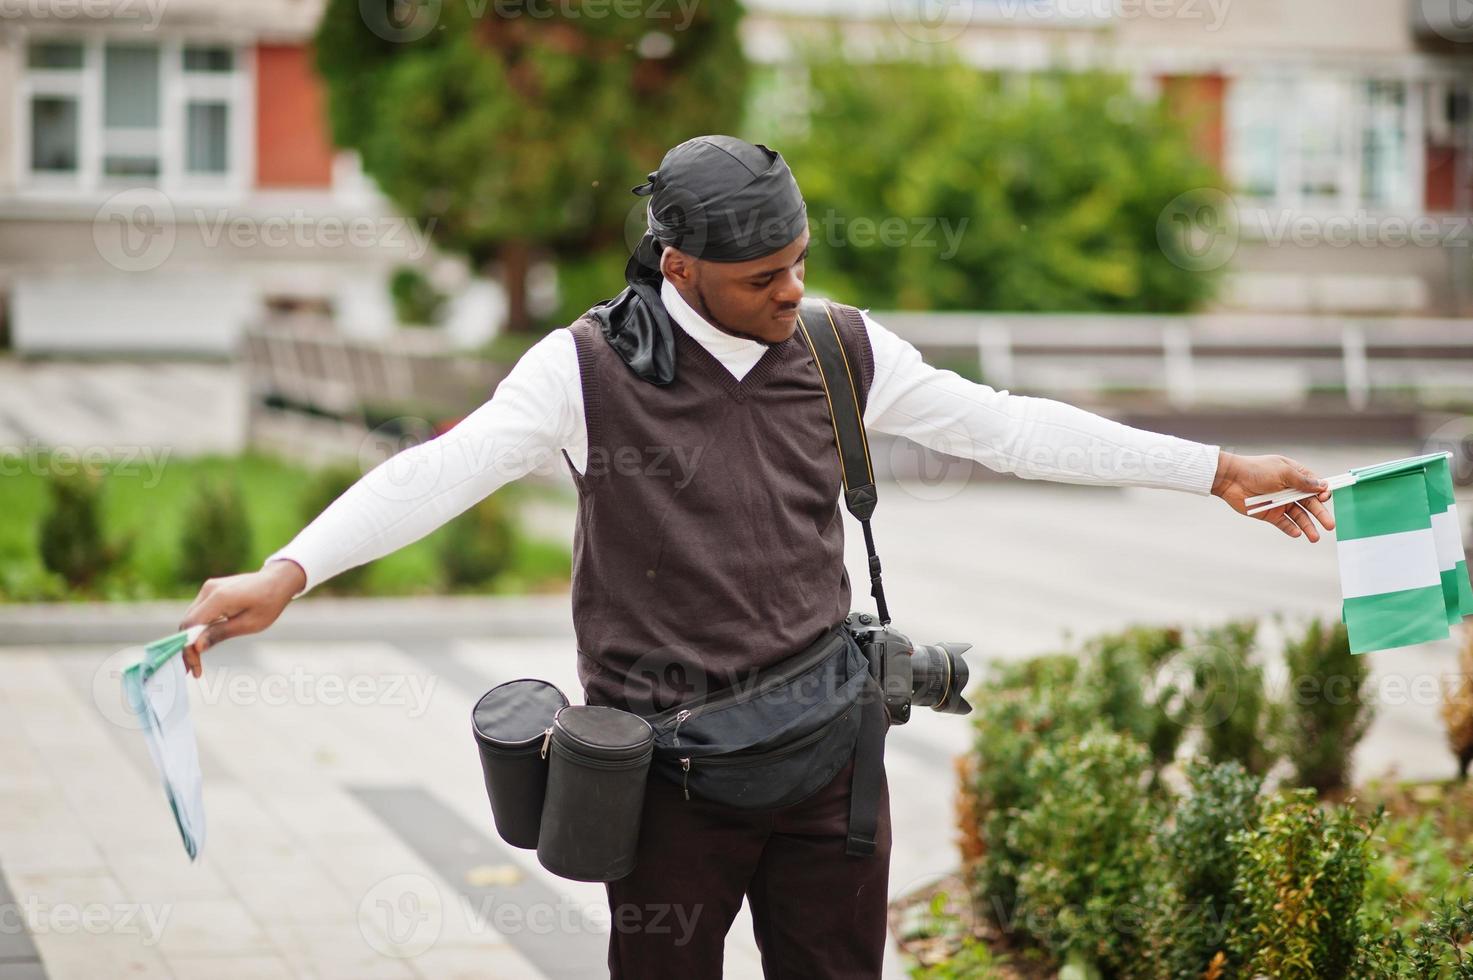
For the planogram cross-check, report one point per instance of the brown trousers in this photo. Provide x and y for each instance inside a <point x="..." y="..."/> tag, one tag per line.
<point x="818" y="913"/>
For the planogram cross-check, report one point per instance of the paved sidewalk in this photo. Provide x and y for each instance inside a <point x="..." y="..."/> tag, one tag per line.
<point x="142" y="408"/>
<point x="349" y="835"/>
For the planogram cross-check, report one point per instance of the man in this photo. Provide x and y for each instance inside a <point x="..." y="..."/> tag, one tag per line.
<point x="709" y="540"/>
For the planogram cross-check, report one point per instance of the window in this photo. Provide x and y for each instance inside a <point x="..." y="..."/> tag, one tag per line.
<point x="1322" y="141"/>
<point x="105" y="114"/>
<point x="206" y="136"/>
<point x="208" y="59"/>
<point x="1386" y="179"/>
<point x="130" y="114"/>
<point x="53" y="134"/>
<point x="55" y="54"/>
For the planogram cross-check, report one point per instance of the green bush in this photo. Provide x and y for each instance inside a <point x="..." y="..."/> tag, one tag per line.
<point x="1198" y="911"/>
<point x="1301" y="876"/>
<point x="1015" y="721"/>
<point x="323" y="487"/>
<point x="71" y="540"/>
<point x="1327" y="712"/>
<point x="478" y="544"/>
<point x="1123" y="675"/>
<point x="979" y="197"/>
<point x="1087" y="884"/>
<point x="216" y="539"/>
<point x="1230" y="700"/>
<point x="417" y="303"/>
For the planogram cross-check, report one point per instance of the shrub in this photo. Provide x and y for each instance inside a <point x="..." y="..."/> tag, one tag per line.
<point x="1230" y="701"/>
<point x="1191" y="928"/>
<point x="1013" y="724"/>
<point x="1120" y="676"/>
<point x="478" y="544"/>
<point x="71" y="542"/>
<point x="1301" y="877"/>
<point x="417" y="303"/>
<point x="1327" y="711"/>
<point x="1086" y="885"/>
<point x="216" y="539"/>
<point x="322" y="488"/>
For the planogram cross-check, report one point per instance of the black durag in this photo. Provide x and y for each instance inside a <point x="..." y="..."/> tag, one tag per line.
<point x="714" y="197"/>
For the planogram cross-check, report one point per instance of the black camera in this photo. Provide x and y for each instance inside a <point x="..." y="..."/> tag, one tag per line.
<point x="933" y="675"/>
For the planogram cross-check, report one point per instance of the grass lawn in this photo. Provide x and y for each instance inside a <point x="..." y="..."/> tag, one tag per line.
<point x="150" y="506"/>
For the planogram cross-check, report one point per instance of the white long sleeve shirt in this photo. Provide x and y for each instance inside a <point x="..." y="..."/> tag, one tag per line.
<point x="537" y="411"/>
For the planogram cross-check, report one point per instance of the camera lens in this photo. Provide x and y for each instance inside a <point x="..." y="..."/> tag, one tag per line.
<point x="939" y="677"/>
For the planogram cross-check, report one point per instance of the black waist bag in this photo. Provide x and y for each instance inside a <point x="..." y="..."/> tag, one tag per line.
<point x="774" y="739"/>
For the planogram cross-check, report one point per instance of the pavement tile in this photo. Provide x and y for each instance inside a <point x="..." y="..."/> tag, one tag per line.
<point x="334" y="949"/>
<point x="212" y="926"/>
<point x="449" y="962"/>
<point x="261" y="967"/>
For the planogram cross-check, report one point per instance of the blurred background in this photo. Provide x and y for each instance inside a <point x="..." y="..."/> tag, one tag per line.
<point x="249" y="251"/>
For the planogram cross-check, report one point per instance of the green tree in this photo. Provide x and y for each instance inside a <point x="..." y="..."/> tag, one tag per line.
<point x="513" y="130"/>
<point x="937" y="186"/>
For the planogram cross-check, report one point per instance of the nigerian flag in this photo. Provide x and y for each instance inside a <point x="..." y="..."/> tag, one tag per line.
<point x="1402" y="570"/>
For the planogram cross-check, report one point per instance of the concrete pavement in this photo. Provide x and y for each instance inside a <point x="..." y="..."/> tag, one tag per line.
<point x="349" y="835"/>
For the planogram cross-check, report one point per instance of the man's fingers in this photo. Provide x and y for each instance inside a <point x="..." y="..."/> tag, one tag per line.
<point x="1319" y="511"/>
<point x="1302" y="518"/>
<point x="1286" y="524"/>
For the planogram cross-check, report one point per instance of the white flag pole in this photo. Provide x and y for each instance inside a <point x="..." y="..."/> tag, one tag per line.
<point x="1268" y="501"/>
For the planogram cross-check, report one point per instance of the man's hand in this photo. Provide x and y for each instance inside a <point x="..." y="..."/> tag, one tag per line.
<point x="1241" y="477"/>
<point x="238" y="605"/>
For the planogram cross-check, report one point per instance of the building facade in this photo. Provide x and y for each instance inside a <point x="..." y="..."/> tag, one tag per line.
<point x="166" y="173"/>
<point x="166" y="176"/>
<point x="1342" y="126"/>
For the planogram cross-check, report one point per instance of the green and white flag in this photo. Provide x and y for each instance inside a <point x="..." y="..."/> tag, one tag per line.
<point x="1402" y="570"/>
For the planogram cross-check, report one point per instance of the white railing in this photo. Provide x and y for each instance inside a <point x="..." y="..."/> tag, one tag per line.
<point x="1207" y="359"/>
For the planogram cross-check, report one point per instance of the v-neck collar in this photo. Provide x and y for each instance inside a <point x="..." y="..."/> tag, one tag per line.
<point x="692" y="352"/>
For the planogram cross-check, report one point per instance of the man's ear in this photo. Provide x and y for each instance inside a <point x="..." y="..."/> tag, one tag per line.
<point x="676" y="266"/>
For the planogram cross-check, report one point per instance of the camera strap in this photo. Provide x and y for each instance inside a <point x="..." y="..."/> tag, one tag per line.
<point x="820" y="332"/>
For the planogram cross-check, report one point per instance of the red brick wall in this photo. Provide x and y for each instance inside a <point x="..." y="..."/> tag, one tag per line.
<point x="292" y="144"/>
<point x="1198" y="101"/>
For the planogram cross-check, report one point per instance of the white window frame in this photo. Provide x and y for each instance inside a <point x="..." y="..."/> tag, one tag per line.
<point x="177" y="89"/>
<point x="1352" y="193"/>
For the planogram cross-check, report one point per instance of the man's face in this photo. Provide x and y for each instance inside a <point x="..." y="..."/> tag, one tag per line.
<point x="757" y="299"/>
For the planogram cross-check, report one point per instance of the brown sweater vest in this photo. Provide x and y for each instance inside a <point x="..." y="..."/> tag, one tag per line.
<point x="709" y="540"/>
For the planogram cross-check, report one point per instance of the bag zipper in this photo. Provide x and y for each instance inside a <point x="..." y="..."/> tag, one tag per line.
<point x="738" y="758"/>
<point x="761" y="681"/>
<point x="685" y="777"/>
<point x="546" y="741"/>
<point x="684" y="714"/>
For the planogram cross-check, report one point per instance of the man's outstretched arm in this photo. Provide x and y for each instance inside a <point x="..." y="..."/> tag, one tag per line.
<point x="532" y="414"/>
<point x="1042" y="439"/>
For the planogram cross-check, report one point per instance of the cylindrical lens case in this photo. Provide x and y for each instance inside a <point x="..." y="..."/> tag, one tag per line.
<point x="598" y="763"/>
<point x="511" y="723"/>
